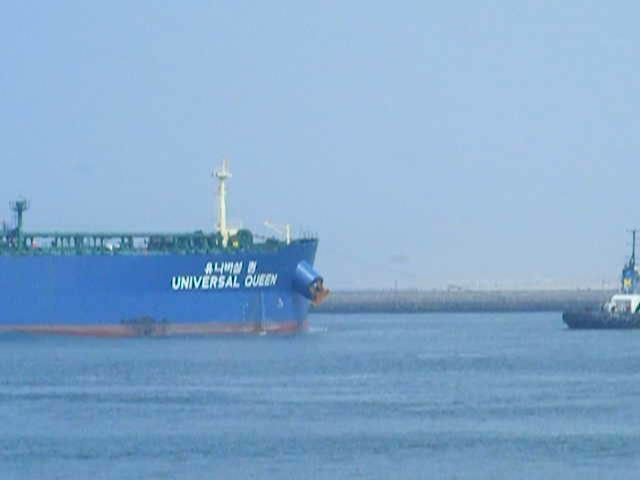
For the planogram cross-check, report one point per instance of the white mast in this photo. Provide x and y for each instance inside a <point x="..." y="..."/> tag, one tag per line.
<point x="222" y="176"/>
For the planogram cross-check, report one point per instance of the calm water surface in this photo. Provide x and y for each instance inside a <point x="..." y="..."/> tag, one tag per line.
<point x="370" y="396"/>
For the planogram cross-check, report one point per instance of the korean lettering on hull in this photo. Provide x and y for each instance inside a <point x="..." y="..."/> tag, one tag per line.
<point x="225" y="275"/>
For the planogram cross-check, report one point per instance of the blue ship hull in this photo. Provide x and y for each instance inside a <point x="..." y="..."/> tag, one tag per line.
<point x="158" y="293"/>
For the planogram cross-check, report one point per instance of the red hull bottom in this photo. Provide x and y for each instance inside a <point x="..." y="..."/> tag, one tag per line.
<point x="160" y="330"/>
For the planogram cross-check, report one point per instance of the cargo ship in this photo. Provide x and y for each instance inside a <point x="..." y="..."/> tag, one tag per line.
<point x="621" y="311"/>
<point x="153" y="284"/>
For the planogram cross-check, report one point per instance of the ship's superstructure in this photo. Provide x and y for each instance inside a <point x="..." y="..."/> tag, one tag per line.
<point x="631" y="273"/>
<point x="622" y="310"/>
<point x="125" y="283"/>
<point x="628" y="300"/>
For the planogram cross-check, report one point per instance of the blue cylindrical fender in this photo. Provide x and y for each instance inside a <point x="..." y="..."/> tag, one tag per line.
<point x="306" y="279"/>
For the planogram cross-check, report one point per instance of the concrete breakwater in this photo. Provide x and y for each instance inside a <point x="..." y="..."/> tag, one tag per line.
<point x="461" y="301"/>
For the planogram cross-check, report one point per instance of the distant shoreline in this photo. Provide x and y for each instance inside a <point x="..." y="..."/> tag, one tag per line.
<point x="422" y="301"/>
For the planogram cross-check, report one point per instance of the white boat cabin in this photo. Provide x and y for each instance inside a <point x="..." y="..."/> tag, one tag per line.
<point x="624" y="303"/>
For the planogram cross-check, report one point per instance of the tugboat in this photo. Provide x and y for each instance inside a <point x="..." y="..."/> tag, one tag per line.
<point x="622" y="311"/>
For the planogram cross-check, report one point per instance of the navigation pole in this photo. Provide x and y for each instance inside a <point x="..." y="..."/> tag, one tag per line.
<point x="19" y="207"/>
<point x="632" y="260"/>
<point x="222" y="176"/>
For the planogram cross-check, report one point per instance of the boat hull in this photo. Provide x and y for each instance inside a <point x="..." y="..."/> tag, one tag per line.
<point x="599" y="320"/>
<point x="241" y="292"/>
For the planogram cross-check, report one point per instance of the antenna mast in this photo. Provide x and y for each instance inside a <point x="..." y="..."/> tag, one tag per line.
<point x="19" y="207"/>
<point x="632" y="260"/>
<point x="222" y="176"/>
<point x="286" y="233"/>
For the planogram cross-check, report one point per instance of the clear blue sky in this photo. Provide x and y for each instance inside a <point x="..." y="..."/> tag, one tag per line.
<point x="475" y="143"/>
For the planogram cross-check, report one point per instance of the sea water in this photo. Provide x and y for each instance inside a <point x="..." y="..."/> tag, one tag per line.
<point x="361" y="396"/>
